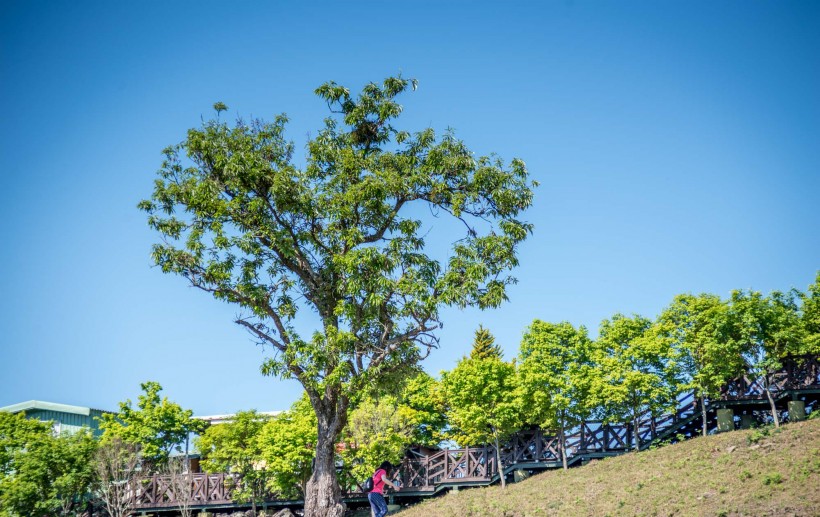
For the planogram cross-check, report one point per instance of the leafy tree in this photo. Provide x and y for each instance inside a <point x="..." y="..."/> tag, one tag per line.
<point x="555" y="369"/>
<point x="423" y="403"/>
<point x="769" y="329"/>
<point x="377" y="431"/>
<point x="706" y="355"/>
<point x="288" y="446"/>
<point x="16" y="431"/>
<point x="484" y="345"/>
<point x="236" y="447"/>
<point x="73" y="469"/>
<point x="810" y="317"/>
<point x="43" y="475"/>
<point x="483" y="403"/>
<point x="158" y="426"/>
<point x="633" y="371"/>
<point x="341" y="236"/>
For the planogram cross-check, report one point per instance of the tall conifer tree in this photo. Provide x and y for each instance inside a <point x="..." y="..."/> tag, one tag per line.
<point x="484" y="345"/>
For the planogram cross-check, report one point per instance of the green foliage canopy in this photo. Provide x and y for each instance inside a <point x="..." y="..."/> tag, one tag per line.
<point x="288" y="444"/>
<point x="556" y="369"/>
<point x="633" y="372"/>
<point x="377" y="431"/>
<point x="423" y="402"/>
<point x="239" y="219"/>
<point x="700" y="332"/>
<point x="810" y="316"/>
<point x="158" y="425"/>
<point x="236" y="447"/>
<point x="768" y="328"/>
<point x="483" y="404"/>
<point x="43" y="475"/>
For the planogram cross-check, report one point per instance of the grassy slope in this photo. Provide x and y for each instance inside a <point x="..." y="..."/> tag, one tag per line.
<point x="738" y="473"/>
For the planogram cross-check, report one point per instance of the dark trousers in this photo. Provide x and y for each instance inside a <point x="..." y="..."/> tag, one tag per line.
<point x="377" y="503"/>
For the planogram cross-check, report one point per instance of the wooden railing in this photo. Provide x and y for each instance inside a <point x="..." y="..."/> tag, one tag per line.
<point x="157" y="491"/>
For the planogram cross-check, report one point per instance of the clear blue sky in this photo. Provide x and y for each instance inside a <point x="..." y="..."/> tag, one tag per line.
<point x="677" y="145"/>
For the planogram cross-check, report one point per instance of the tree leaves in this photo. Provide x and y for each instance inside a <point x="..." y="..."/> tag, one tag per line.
<point x="42" y="474"/>
<point x="483" y="403"/>
<point x="241" y="221"/>
<point x="158" y="425"/>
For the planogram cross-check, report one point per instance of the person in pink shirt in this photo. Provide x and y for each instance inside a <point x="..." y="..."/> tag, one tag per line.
<point x="376" y="496"/>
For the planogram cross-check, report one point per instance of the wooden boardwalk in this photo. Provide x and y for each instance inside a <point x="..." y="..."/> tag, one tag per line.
<point x="530" y="450"/>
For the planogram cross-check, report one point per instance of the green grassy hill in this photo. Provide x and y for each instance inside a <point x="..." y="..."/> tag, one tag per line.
<point x="755" y="472"/>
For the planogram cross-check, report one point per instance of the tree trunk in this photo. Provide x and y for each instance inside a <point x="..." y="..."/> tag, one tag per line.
<point x="563" y="439"/>
<point x="771" y="401"/>
<point x="498" y="462"/>
<point x="323" y="498"/>
<point x="635" y="431"/>
<point x="703" y="412"/>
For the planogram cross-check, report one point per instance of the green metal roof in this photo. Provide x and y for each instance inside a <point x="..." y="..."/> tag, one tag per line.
<point x="46" y="406"/>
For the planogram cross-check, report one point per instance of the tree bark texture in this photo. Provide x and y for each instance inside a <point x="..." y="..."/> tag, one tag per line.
<point x="323" y="497"/>
<point x="703" y="412"/>
<point x="564" y="447"/>
<point x="775" y="417"/>
<point x="500" y="466"/>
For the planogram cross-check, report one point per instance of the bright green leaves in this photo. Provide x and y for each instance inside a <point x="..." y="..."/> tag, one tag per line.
<point x="423" y="401"/>
<point x="266" y="454"/>
<point x="484" y="407"/>
<point x="42" y="474"/>
<point x="158" y="425"/>
<point x="377" y="431"/>
<point x="555" y="371"/>
<point x="484" y="404"/>
<point x="288" y="444"/>
<point x="767" y="328"/>
<point x="235" y="447"/>
<point x="699" y="331"/>
<point x="240" y="220"/>
<point x="810" y="317"/>
<point x="634" y="370"/>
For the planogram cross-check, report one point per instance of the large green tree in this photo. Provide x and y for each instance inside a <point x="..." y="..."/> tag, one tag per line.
<point x="633" y="371"/>
<point x="706" y="353"/>
<point x="157" y="425"/>
<point x="484" y="407"/>
<point x="768" y="329"/>
<point x="340" y="234"/>
<point x="555" y="371"/>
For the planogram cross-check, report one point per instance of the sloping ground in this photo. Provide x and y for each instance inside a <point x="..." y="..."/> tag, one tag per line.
<point x="755" y="472"/>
